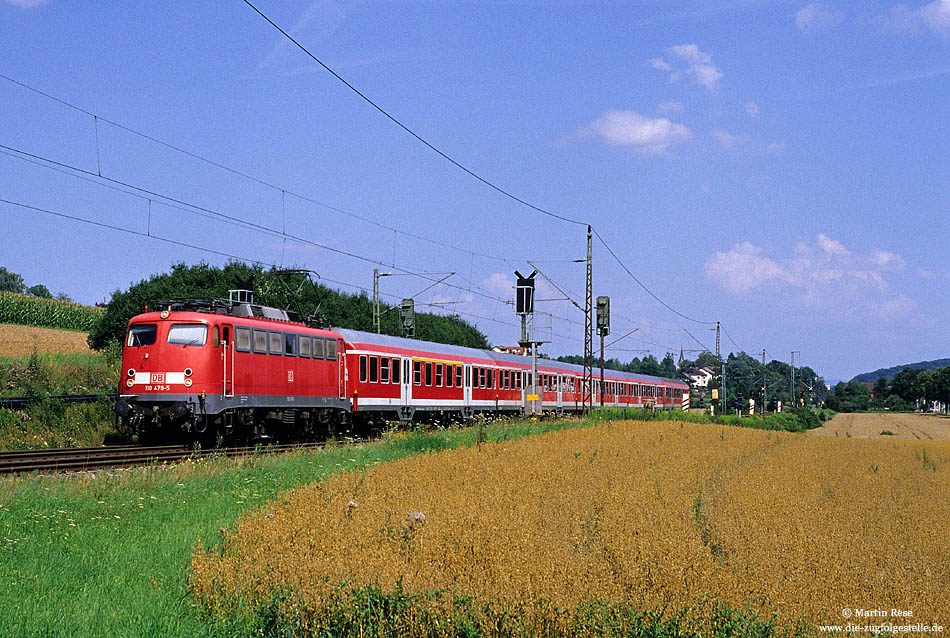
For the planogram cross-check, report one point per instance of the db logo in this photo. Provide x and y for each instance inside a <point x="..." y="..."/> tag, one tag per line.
<point x="290" y="376"/>
<point x="158" y="377"/>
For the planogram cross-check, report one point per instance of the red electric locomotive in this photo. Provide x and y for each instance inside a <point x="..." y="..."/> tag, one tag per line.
<point x="195" y="365"/>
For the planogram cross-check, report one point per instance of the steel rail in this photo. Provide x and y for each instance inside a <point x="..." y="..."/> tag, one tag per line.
<point x="85" y="459"/>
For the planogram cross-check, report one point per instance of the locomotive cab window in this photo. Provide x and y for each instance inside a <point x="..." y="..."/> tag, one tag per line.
<point x="242" y="339"/>
<point x="188" y="334"/>
<point x="142" y="334"/>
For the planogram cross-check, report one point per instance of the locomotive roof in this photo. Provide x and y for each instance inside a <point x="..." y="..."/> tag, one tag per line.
<point x="358" y="336"/>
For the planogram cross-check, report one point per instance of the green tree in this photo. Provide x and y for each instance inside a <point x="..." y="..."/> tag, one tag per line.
<point x="849" y="397"/>
<point x="10" y="281"/>
<point x="880" y="389"/>
<point x="39" y="290"/>
<point x="668" y="366"/>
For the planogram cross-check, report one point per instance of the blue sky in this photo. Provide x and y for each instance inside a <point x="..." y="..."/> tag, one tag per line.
<point x="781" y="167"/>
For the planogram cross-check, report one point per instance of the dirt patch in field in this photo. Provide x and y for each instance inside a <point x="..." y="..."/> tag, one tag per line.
<point x="912" y="427"/>
<point x="16" y="341"/>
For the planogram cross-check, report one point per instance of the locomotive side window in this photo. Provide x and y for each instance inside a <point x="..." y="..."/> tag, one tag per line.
<point x="438" y="375"/>
<point x="428" y="373"/>
<point x="242" y="339"/>
<point x="275" y="344"/>
<point x="395" y="368"/>
<point x="304" y="343"/>
<point x="318" y="348"/>
<point x="260" y="341"/>
<point x="374" y="369"/>
<point x="188" y="334"/>
<point x="417" y="373"/>
<point x="331" y="349"/>
<point x="143" y="334"/>
<point x="290" y="344"/>
<point x="215" y="338"/>
<point x="362" y="368"/>
<point x="384" y="370"/>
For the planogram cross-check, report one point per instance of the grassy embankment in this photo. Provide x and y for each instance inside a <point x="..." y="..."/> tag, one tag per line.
<point x="49" y="422"/>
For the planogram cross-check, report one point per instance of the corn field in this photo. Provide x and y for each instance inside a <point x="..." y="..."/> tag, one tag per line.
<point x="47" y="313"/>
<point x="566" y="533"/>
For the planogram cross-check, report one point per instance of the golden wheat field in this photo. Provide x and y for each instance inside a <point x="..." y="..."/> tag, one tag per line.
<point x="658" y="515"/>
<point x="16" y="341"/>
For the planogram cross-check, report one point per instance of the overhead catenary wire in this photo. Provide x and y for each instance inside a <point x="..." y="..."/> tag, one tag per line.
<point x="99" y="118"/>
<point x="411" y="132"/>
<point x="204" y="211"/>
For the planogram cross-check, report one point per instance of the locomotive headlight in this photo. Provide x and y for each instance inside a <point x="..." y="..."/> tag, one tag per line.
<point x="131" y="372"/>
<point x="188" y="372"/>
<point x="187" y="383"/>
<point x="129" y="383"/>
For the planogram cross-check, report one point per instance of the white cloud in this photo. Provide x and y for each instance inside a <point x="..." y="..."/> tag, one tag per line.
<point x="742" y="268"/>
<point x="746" y="145"/>
<point x="823" y="274"/>
<point x="698" y="63"/>
<point x="832" y="246"/>
<point x="934" y="16"/>
<point x="501" y="285"/>
<point x="670" y="106"/>
<point x="629" y="128"/>
<point x="817" y="17"/>
<point x="927" y="275"/>
<point x="751" y="109"/>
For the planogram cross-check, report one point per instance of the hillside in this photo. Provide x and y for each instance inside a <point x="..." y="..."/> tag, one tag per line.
<point x="889" y="372"/>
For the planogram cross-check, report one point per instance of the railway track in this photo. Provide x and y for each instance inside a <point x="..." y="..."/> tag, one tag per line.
<point x="99" y="458"/>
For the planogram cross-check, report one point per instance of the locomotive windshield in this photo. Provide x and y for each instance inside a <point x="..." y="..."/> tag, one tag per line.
<point x="142" y="334"/>
<point x="188" y="334"/>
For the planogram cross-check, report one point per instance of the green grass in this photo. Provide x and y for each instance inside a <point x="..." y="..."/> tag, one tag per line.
<point x="108" y="556"/>
<point x="52" y="423"/>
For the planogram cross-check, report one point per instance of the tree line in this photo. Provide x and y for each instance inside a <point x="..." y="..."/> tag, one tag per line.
<point x="909" y="389"/>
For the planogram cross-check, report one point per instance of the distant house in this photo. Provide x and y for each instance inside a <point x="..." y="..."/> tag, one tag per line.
<point x="699" y="377"/>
